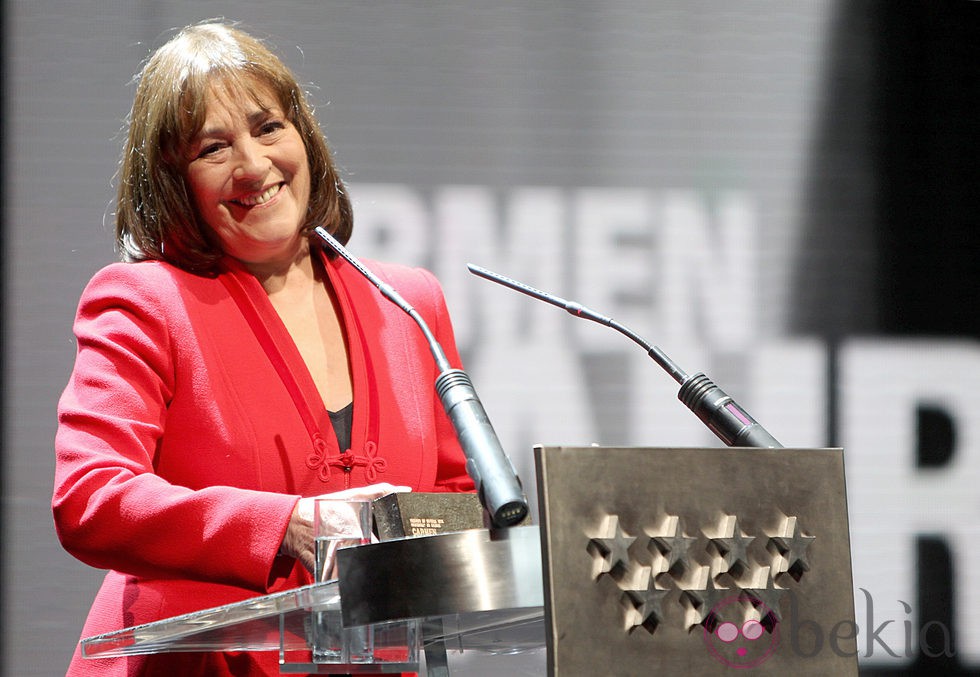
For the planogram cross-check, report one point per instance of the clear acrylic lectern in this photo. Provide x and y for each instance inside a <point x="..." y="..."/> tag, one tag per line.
<point x="468" y="591"/>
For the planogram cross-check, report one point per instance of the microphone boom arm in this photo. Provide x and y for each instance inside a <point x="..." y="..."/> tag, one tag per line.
<point x="716" y="409"/>
<point x="497" y="483"/>
<point x="578" y="310"/>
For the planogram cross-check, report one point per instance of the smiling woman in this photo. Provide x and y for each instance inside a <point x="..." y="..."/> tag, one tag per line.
<point x="228" y="372"/>
<point x="203" y="68"/>
<point x="249" y="177"/>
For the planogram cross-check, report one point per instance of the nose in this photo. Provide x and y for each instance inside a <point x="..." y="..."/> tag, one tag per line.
<point x="251" y="161"/>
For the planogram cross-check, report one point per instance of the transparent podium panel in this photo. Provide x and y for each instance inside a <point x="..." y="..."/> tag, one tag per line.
<point x="507" y="631"/>
<point x="266" y="623"/>
<point x="448" y="598"/>
<point x="285" y="622"/>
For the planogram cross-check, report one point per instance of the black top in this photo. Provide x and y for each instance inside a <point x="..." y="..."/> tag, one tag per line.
<point x="342" y="421"/>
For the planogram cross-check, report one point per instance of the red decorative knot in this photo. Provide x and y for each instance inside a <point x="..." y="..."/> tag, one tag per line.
<point x="346" y="461"/>
<point x="374" y="463"/>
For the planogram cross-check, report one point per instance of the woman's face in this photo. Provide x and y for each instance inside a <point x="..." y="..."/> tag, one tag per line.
<point x="249" y="177"/>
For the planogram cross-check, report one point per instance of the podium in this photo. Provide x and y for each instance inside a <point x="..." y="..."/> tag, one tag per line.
<point x="679" y="561"/>
<point x="415" y="595"/>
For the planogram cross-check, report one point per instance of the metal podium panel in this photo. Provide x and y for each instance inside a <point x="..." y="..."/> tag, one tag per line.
<point x="696" y="561"/>
<point x="476" y="590"/>
<point x="477" y="573"/>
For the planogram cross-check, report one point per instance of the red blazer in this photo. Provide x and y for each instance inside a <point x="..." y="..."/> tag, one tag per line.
<point x="191" y="426"/>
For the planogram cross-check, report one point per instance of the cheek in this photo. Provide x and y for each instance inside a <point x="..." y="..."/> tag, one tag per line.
<point x="306" y="183"/>
<point x="300" y="165"/>
<point x="195" y="187"/>
<point x="202" y="191"/>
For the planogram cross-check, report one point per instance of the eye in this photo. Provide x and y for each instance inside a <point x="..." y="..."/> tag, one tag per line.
<point x="271" y="127"/>
<point x="209" y="149"/>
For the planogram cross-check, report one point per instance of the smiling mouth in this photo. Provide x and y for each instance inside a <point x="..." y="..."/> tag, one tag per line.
<point x="258" y="198"/>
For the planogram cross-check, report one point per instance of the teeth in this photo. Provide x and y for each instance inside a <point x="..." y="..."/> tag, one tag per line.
<point x="261" y="198"/>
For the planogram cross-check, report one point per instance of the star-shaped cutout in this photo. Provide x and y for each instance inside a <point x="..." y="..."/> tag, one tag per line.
<point x="733" y="546"/>
<point x="611" y="549"/>
<point x="766" y="602"/>
<point x="645" y="606"/>
<point x="790" y="549"/>
<point x="673" y="545"/>
<point x="702" y="603"/>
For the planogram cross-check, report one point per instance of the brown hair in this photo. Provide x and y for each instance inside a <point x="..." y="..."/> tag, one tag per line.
<point x="155" y="215"/>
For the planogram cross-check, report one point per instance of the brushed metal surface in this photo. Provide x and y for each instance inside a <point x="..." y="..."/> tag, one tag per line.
<point x="484" y="575"/>
<point x="649" y="551"/>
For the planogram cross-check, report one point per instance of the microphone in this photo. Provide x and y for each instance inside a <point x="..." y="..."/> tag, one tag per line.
<point x="716" y="409"/>
<point x="497" y="483"/>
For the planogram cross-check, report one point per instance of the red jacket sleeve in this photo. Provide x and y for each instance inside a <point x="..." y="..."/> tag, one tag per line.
<point x="111" y="509"/>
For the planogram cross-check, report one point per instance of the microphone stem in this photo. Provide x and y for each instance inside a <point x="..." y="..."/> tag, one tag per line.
<point x="580" y="311"/>
<point x="707" y="401"/>
<point x="442" y="362"/>
<point x="654" y="352"/>
<point x="389" y="293"/>
<point x="496" y="480"/>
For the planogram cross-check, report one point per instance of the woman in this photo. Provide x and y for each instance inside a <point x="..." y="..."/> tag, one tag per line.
<point x="229" y="370"/>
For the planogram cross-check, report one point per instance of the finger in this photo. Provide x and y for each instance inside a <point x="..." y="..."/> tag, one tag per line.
<point x="304" y="510"/>
<point x="308" y="560"/>
<point x="370" y="491"/>
<point x="389" y="488"/>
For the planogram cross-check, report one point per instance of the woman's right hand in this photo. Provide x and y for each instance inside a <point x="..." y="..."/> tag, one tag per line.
<point x="298" y="541"/>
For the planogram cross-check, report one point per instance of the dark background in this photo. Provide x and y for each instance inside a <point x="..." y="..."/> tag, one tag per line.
<point x="902" y="99"/>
